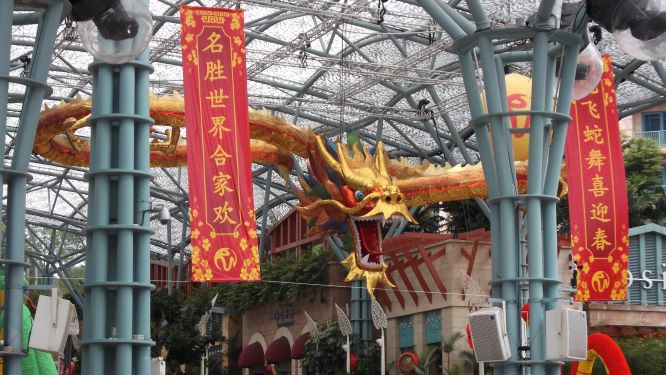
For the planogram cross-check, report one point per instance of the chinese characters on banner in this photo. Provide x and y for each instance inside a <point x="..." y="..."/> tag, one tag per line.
<point x="223" y="229"/>
<point x="598" y="194"/>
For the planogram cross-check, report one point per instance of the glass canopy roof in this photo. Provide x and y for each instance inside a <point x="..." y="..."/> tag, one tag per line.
<point x="332" y="66"/>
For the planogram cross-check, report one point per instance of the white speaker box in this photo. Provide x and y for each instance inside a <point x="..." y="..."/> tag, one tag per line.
<point x="488" y="329"/>
<point x="51" y="325"/>
<point x="566" y="334"/>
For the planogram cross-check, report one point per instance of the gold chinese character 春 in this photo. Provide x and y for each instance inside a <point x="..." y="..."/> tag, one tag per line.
<point x="599" y="212"/>
<point x="595" y="159"/>
<point x="600" y="240"/>
<point x="220" y="182"/>
<point x="222" y="214"/>
<point x="214" y="70"/>
<point x="220" y="156"/>
<point x="598" y="187"/>
<point x="216" y="98"/>
<point x="593" y="134"/>
<point x="213" y="46"/>
<point x="218" y="126"/>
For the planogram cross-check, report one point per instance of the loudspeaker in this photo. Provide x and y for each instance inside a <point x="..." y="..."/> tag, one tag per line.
<point x="488" y="330"/>
<point x="566" y="334"/>
<point x="51" y="325"/>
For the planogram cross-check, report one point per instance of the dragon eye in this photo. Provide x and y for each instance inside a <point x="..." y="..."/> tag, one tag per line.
<point x="359" y="195"/>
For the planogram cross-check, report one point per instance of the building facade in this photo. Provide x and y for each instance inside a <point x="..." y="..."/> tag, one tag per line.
<point x="426" y="308"/>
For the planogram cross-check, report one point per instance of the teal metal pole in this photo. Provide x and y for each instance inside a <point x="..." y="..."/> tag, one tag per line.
<point x="360" y="313"/>
<point x="95" y="308"/>
<point x="501" y="144"/>
<point x="443" y="18"/>
<point x="547" y="135"/>
<point x="141" y="312"/>
<point x="14" y="261"/>
<point x="124" y="151"/>
<point x="117" y="311"/>
<point x="535" y="190"/>
<point x="264" y="218"/>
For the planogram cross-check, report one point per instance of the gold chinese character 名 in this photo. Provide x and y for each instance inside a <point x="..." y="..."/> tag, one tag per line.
<point x="598" y="187"/>
<point x="220" y="182"/>
<point x="216" y="98"/>
<point x="222" y="214"/>
<point x="218" y="126"/>
<point x="595" y="159"/>
<point x="213" y="46"/>
<point x="599" y="212"/>
<point x="600" y="240"/>
<point x="593" y="134"/>
<point x="214" y="70"/>
<point x="220" y="156"/>
<point x="592" y="107"/>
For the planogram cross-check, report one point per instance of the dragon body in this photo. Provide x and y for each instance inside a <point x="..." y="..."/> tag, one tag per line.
<point x="347" y="187"/>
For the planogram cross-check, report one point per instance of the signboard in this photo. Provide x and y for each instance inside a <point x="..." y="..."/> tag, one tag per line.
<point x="597" y="194"/>
<point x="223" y="229"/>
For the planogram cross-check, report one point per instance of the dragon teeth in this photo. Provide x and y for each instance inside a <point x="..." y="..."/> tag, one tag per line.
<point x="366" y="259"/>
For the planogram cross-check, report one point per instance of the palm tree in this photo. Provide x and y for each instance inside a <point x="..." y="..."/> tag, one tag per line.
<point x="427" y="357"/>
<point x="448" y="346"/>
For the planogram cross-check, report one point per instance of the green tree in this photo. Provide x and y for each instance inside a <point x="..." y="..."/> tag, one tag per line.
<point x="642" y="165"/>
<point x="324" y="353"/>
<point x="463" y="216"/>
<point x="174" y="320"/>
<point x="448" y="346"/>
<point x="301" y="277"/>
<point x="430" y="220"/>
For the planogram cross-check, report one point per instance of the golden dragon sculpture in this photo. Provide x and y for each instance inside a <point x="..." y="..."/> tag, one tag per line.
<point x="347" y="187"/>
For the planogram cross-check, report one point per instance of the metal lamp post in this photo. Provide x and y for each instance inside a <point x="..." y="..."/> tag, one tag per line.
<point x="346" y="329"/>
<point x="381" y="323"/>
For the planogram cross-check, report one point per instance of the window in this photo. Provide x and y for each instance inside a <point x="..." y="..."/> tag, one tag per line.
<point x="406" y="332"/>
<point x="433" y="327"/>
<point x="654" y="125"/>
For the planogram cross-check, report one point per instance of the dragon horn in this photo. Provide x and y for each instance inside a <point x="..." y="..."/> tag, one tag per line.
<point x="352" y="177"/>
<point x="328" y="158"/>
<point x="380" y="158"/>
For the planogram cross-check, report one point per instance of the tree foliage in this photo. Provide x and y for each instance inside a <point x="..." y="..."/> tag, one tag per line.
<point x="463" y="216"/>
<point x="646" y="198"/>
<point x="642" y="164"/>
<point x="324" y="352"/>
<point x="301" y="276"/>
<point x="174" y="320"/>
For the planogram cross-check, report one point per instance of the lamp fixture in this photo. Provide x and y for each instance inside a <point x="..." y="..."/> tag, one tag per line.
<point x="113" y="31"/>
<point x="639" y="26"/>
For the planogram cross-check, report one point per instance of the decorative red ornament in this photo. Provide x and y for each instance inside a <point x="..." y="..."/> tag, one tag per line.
<point x="469" y="336"/>
<point x="407" y="362"/>
<point x="611" y="355"/>
<point x="269" y="370"/>
<point x="525" y="312"/>
<point x="353" y="362"/>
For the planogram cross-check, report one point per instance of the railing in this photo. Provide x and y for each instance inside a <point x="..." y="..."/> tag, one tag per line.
<point x="659" y="136"/>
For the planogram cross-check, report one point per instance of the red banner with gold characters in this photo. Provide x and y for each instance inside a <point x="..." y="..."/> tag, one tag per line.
<point x="598" y="194"/>
<point x="223" y="228"/>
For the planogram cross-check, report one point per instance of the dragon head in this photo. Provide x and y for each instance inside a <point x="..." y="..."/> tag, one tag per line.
<point x="359" y="192"/>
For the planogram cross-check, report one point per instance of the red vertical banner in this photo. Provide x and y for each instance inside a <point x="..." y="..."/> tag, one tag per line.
<point x="598" y="194"/>
<point x="223" y="228"/>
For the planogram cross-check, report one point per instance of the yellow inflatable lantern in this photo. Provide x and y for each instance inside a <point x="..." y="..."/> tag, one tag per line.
<point x="519" y="97"/>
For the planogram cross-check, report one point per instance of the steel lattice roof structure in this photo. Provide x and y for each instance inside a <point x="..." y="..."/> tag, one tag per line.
<point x="328" y="65"/>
